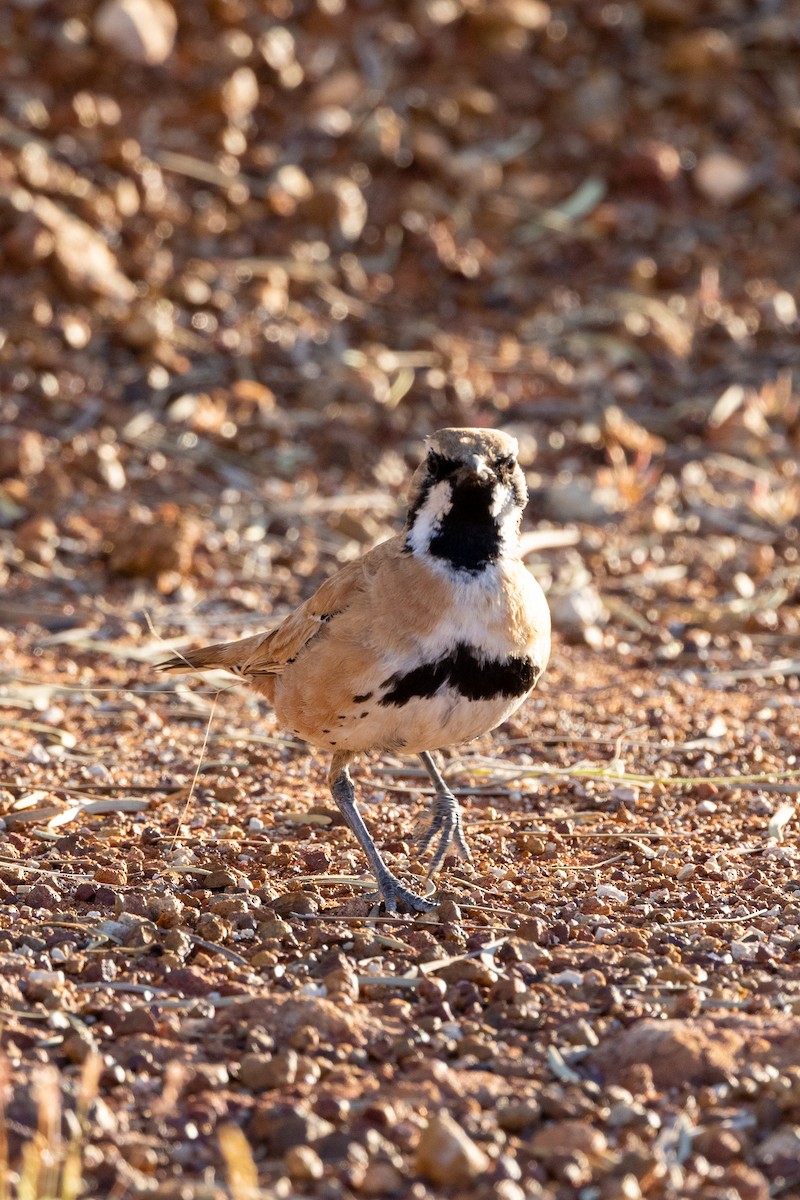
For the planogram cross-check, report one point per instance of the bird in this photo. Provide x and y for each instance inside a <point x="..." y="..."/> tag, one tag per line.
<point x="430" y="639"/>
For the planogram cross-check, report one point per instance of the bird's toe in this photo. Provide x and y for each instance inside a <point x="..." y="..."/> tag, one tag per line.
<point x="395" y="895"/>
<point x="446" y="828"/>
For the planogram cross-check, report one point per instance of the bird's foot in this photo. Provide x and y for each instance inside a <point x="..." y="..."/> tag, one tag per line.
<point x="446" y="829"/>
<point x="395" y="894"/>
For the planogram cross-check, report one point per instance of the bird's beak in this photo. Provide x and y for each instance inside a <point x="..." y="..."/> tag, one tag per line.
<point x="475" y="467"/>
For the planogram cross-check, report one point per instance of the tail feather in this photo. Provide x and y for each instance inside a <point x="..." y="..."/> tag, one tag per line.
<point x="224" y="656"/>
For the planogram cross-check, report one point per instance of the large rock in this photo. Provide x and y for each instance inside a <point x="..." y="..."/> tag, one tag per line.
<point x="704" y="1051"/>
<point x="677" y="1052"/>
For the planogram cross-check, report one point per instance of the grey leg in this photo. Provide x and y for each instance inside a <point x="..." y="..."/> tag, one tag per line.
<point x="391" y="888"/>
<point x="445" y="823"/>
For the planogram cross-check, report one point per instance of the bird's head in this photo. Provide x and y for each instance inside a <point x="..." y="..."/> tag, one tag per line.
<point x="466" y="498"/>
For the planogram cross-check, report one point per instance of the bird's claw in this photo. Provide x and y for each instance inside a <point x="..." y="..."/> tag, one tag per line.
<point x="394" y="893"/>
<point x="446" y="826"/>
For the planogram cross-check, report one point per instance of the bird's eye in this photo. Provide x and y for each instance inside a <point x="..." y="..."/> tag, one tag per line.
<point x="439" y="465"/>
<point x="506" y="463"/>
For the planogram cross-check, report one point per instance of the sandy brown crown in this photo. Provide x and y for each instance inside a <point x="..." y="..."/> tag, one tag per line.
<point x="458" y="443"/>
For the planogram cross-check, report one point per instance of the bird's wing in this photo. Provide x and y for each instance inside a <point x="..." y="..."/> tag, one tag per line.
<point x="269" y="653"/>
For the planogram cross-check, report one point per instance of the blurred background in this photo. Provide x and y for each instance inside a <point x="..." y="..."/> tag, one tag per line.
<point x="252" y="252"/>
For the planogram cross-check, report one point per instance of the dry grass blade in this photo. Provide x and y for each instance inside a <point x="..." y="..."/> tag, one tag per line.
<point x="399" y="981"/>
<point x="55" y="817"/>
<point x="119" y="804"/>
<point x="562" y="217"/>
<point x="52" y="815"/>
<point x="48" y="873"/>
<point x="732" y="920"/>
<point x="63" y="736"/>
<point x="72" y="1174"/>
<point x="215" y="948"/>
<point x="780" y="819"/>
<point x="240" y="1166"/>
<point x="778" y="667"/>
<point x="27" y="801"/>
<point x="5" y="1093"/>
<point x="391" y="943"/>
<point x="438" y="964"/>
<point x="559" y="1068"/>
<point x="350" y="880"/>
<point x="534" y="541"/>
<point x="197" y="771"/>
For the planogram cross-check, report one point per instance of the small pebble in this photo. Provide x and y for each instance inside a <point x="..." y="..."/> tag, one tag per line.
<point x="446" y="1155"/>
<point x="303" y="1164"/>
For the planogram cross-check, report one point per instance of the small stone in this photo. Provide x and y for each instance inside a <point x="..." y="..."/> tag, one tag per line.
<point x="262" y="1072"/>
<point x="295" y="902"/>
<point x="720" y="1146"/>
<point x="212" y="928"/>
<point x="516" y="1115"/>
<point x="597" y="104"/>
<point x="22" y="454"/>
<point x="317" y="860"/>
<point x="447" y="1155"/>
<point x="382" y="1179"/>
<point x="166" y="910"/>
<point x="567" y="1137"/>
<point x="577" y="606"/>
<point x="263" y="960"/>
<point x="702" y="51"/>
<point x="269" y="930"/>
<point x="650" y="162"/>
<point x="722" y="178"/>
<point x="219" y="879"/>
<point x="779" y="1153"/>
<point x="745" y="1182"/>
<point x="138" y="1020"/>
<point x="240" y="94"/>
<point x="279" y="1127"/>
<point x="111" y="875"/>
<point x="158" y="545"/>
<point x="206" y="1077"/>
<point x="46" y="987"/>
<point x="508" y="1189"/>
<point x="342" y="984"/>
<point x="607" y="891"/>
<point x="83" y="259"/>
<point x="303" y="1164"/>
<point x="78" y="1045"/>
<point x="42" y="895"/>
<point x="255" y="1071"/>
<point x="142" y="31"/>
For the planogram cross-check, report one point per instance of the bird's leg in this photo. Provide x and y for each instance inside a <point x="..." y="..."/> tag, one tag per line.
<point x="391" y="888"/>
<point x="445" y="823"/>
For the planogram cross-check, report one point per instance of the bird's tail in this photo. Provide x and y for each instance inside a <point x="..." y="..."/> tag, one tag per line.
<point x="224" y="656"/>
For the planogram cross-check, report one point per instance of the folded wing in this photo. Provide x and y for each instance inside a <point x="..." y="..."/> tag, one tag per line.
<point x="268" y="654"/>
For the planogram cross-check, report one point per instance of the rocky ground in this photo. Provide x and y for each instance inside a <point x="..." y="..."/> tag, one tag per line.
<point x="251" y="256"/>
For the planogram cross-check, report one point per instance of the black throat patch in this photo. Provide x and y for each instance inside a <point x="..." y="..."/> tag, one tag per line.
<point x="469" y="536"/>
<point x="473" y="677"/>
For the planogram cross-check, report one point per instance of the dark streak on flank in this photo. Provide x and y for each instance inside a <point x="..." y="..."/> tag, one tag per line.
<point x="472" y="677"/>
<point x="360" y="699"/>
